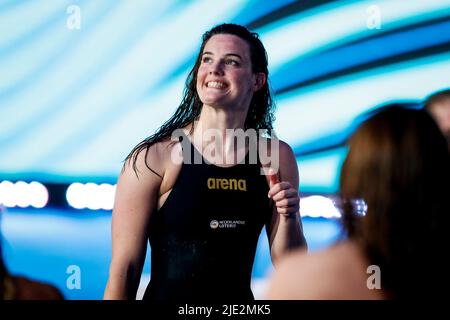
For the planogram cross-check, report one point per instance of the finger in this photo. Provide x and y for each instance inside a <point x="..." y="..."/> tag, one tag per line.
<point x="287" y="202"/>
<point x="286" y="193"/>
<point x="273" y="178"/>
<point x="278" y="187"/>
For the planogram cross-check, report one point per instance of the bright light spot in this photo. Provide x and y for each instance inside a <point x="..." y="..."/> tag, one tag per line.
<point x="106" y="196"/>
<point x="360" y="207"/>
<point x="38" y="194"/>
<point x="75" y="195"/>
<point x="2" y="192"/>
<point x="318" y="206"/>
<point x="21" y="194"/>
<point x="7" y="194"/>
<point x="91" y="196"/>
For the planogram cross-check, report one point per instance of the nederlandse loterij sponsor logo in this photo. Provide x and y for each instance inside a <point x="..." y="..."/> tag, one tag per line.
<point x="225" y="224"/>
<point x="214" y="224"/>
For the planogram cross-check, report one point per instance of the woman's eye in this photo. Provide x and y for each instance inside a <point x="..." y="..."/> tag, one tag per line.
<point x="206" y="59"/>
<point x="232" y="62"/>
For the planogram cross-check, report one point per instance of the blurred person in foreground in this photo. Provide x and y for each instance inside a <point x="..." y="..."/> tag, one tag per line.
<point x="398" y="163"/>
<point x="14" y="287"/>
<point x="438" y="104"/>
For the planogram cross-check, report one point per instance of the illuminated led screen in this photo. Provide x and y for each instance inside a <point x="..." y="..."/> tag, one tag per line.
<point x="82" y="82"/>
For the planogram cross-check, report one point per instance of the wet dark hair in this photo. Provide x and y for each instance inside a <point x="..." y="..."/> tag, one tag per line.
<point x="260" y="113"/>
<point x="398" y="162"/>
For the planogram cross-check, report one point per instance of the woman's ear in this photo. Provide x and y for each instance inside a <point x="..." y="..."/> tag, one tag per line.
<point x="259" y="81"/>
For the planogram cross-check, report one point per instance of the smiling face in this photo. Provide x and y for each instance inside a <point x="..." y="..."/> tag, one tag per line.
<point x="225" y="78"/>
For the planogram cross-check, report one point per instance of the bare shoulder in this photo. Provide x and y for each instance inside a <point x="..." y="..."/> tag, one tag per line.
<point x="153" y="160"/>
<point x="168" y="152"/>
<point x="277" y="154"/>
<point x="274" y="145"/>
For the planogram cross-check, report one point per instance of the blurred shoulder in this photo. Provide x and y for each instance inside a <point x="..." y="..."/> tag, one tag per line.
<point x="322" y="274"/>
<point x="27" y="289"/>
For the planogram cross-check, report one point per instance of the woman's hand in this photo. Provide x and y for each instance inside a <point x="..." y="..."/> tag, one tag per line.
<point x="284" y="195"/>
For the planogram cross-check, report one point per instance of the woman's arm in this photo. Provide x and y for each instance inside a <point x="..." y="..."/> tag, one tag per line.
<point x="136" y="198"/>
<point x="285" y="230"/>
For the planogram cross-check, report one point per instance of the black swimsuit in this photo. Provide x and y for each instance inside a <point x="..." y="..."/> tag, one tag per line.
<point x="204" y="237"/>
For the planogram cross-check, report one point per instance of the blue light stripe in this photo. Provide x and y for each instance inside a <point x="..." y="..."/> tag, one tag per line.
<point x="342" y="58"/>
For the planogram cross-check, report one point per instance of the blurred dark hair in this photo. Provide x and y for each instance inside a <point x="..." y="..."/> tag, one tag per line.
<point x="261" y="111"/>
<point x="3" y="274"/>
<point x="398" y="162"/>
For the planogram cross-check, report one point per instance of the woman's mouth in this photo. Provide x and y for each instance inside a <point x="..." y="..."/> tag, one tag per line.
<point x="216" y="84"/>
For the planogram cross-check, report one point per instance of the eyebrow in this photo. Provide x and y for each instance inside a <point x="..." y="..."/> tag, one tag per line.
<point x="227" y="55"/>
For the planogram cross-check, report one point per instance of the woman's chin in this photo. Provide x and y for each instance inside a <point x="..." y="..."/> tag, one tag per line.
<point x="214" y="103"/>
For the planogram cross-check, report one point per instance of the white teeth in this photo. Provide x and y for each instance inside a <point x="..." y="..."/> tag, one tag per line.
<point x="216" y="84"/>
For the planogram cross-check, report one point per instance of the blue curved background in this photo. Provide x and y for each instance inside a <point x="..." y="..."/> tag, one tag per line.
<point x="73" y="102"/>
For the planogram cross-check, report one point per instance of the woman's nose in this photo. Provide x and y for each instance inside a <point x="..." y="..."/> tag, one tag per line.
<point x="216" y="68"/>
